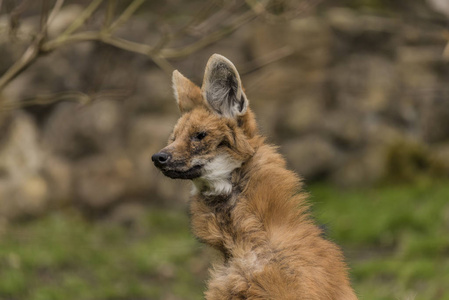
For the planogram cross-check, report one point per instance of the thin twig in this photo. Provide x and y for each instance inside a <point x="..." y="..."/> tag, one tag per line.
<point x="149" y="50"/>
<point x="165" y="38"/>
<point x="22" y="63"/>
<point x="47" y="18"/>
<point x="30" y="54"/>
<point x="100" y="37"/>
<point x="82" y="18"/>
<point x="157" y="53"/>
<point x="126" y="45"/>
<point x="163" y="64"/>
<point x="261" y="9"/>
<point x="44" y="17"/>
<point x="74" y="38"/>
<point x="218" y="17"/>
<point x="209" y="39"/>
<point x="202" y="14"/>
<point x="76" y="96"/>
<point x="14" y="17"/>
<point x="55" y="11"/>
<point x="113" y="41"/>
<point x="265" y="60"/>
<point x="127" y="13"/>
<point x="36" y="47"/>
<point x="110" y="11"/>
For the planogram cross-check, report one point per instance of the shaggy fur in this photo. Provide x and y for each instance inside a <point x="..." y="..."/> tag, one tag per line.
<point x="245" y="203"/>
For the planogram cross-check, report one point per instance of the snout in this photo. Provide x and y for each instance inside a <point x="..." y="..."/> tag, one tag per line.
<point x="161" y="159"/>
<point x="175" y="168"/>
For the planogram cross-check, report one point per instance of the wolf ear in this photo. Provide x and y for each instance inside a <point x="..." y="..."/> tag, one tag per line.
<point x="222" y="87"/>
<point x="187" y="94"/>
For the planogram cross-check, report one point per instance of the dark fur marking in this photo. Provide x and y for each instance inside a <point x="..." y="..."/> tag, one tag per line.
<point x="234" y="137"/>
<point x="241" y="102"/>
<point x="222" y="207"/>
<point x="224" y="143"/>
<point x="240" y="122"/>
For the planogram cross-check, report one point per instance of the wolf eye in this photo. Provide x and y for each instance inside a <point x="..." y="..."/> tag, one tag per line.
<point x="199" y="136"/>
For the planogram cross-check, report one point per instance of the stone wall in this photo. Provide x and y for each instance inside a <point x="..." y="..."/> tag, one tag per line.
<point x="364" y="98"/>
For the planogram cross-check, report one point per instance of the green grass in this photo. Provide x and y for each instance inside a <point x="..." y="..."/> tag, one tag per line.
<point x="396" y="240"/>
<point x="62" y="256"/>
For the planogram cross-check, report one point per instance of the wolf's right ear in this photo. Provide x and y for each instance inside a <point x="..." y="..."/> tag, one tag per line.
<point x="187" y="94"/>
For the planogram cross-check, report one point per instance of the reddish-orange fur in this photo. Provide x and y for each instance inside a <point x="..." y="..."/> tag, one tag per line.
<point x="271" y="247"/>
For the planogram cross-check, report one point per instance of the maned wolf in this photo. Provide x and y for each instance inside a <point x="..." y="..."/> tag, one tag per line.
<point x="245" y="203"/>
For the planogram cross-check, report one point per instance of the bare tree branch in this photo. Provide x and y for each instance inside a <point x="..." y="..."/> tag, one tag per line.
<point x="202" y="14"/>
<point x="217" y="17"/>
<point x="55" y="11"/>
<point x="127" y="13"/>
<point x="36" y="47"/>
<point x="31" y="53"/>
<point x="209" y="39"/>
<point x="44" y="17"/>
<point x="290" y="12"/>
<point x="82" y="18"/>
<point x="76" y="96"/>
<point x="23" y="62"/>
<point x="270" y="58"/>
<point x="158" y="52"/>
<point x="14" y="17"/>
<point x="110" y="11"/>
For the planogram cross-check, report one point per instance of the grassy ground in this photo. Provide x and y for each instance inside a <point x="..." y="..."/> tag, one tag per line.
<point x="396" y="240"/>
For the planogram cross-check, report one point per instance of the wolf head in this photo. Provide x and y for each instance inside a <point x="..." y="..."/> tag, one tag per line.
<point x="211" y="139"/>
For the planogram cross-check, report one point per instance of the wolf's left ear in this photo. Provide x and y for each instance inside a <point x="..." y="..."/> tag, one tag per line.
<point x="222" y="87"/>
<point x="187" y="94"/>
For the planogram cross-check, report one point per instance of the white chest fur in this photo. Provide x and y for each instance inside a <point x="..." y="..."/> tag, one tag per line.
<point x="216" y="178"/>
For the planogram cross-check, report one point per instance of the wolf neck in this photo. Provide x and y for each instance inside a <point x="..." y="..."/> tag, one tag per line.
<point x="216" y="179"/>
<point x="264" y="199"/>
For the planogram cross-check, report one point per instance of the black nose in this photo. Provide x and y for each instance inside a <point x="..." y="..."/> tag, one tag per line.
<point x="160" y="159"/>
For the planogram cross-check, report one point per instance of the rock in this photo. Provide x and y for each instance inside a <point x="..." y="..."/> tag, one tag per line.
<point x="347" y="130"/>
<point x="59" y="176"/>
<point x="34" y="194"/>
<point x="366" y="167"/>
<point x="300" y="116"/>
<point x="440" y="6"/>
<point x="363" y="83"/>
<point x="23" y="190"/>
<point x="102" y="180"/>
<point x="75" y="132"/>
<point x="343" y="19"/>
<point x="354" y="85"/>
<point x="434" y="118"/>
<point x="381" y="133"/>
<point x="440" y="156"/>
<point x="24" y="198"/>
<point x="312" y="157"/>
<point x="352" y="22"/>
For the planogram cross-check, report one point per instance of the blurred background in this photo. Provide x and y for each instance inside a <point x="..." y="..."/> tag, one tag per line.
<point x="355" y="93"/>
